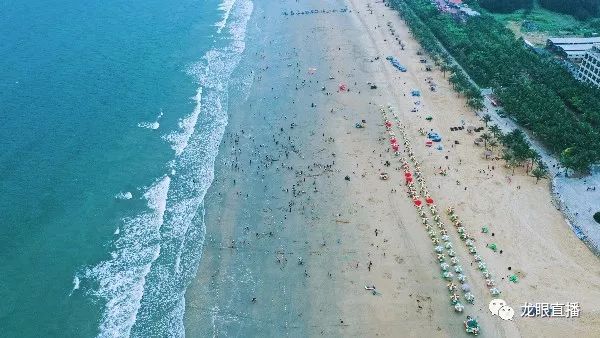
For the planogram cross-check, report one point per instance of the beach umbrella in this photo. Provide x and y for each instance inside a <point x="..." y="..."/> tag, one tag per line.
<point x="494" y="291"/>
<point x="458" y="307"/>
<point x="388" y="124"/>
<point x="481" y="266"/>
<point x="477" y="258"/>
<point x="451" y="286"/>
<point x="454" y="260"/>
<point x="417" y="202"/>
<point x="408" y="174"/>
<point x="395" y="147"/>
<point x="458" y="269"/>
<point x="447" y="275"/>
<point x="486" y="274"/>
<point x="429" y="200"/>
<point x="465" y="287"/>
<point x="454" y="298"/>
<point x="490" y="282"/>
<point x="461" y="278"/>
<point x="438" y="249"/>
<point x="393" y="140"/>
<point x="470" y="297"/>
<point x="441" y="258"/>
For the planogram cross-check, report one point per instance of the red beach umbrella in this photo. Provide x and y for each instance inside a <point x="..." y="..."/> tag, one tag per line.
<point x="395" y="147"/>
<point x="409" y="179"/>
<point x="393" y="140"/>
<point x="429" y="200"/>
<point x="407" y="174"/>
<point x="388" y="124"/>
<point x="417" y="202"/>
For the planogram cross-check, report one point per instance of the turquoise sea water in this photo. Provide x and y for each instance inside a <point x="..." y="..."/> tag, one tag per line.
<point x="111" y="113"/>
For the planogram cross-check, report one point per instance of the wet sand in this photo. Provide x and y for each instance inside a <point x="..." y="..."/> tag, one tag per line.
<point x="291" y="242"/>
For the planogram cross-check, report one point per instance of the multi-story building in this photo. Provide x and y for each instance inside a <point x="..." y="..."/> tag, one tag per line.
<point x="589" y="70"/>
<point x="573" y="49"/>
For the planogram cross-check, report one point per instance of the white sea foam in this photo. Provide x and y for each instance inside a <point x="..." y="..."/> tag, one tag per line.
<point x="152" y="125"/>
<point x="120" y="280"/>
<point x="226" y="7"/>
<point x="179" y="139"/>
<point x="76" y="283"/>
<point x="127" y="195"/>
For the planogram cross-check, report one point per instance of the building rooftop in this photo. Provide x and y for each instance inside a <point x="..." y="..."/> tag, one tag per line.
<point x="572" y="53"/>
<point x="570" y="41"/>
<point x="577" y="47"/>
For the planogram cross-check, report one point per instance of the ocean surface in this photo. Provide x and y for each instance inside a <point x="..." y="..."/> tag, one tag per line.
<point x="111" y="116"/>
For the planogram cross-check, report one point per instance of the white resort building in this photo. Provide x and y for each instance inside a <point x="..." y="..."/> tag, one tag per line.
<point x="589" y="70"/>
<point x="573" y="49"/>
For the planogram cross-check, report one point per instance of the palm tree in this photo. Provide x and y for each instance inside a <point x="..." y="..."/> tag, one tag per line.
<point x="496" y="131"/>
<point x="486" y="137"/>
<point x="533" y="157"/>
<point x="444" y="68"/>
<point x="507" y="156"/>
<point x="539" y="173"/>
<point x="486" y="118"/>
<point x="493" y="143"/>
<point x="513" y="163"/>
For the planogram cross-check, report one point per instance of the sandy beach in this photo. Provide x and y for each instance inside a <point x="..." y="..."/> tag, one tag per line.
<point x="298" y="221"/>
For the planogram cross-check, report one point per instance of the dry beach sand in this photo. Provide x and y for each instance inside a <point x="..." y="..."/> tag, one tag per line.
<point x="291" y="243"/>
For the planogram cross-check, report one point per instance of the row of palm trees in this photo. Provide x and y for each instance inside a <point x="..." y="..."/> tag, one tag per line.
<point x="516" y="152"/>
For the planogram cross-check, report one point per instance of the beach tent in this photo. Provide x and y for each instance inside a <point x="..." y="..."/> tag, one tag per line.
<point x="435" y="137"/>
<point x="428" y="143"/>
<point x="415" y="92"/>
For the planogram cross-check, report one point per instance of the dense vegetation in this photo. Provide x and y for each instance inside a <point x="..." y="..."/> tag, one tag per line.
<point x="537" y="92"/>
<point x="506" y="6"/>
<point x="581" y="9"/>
